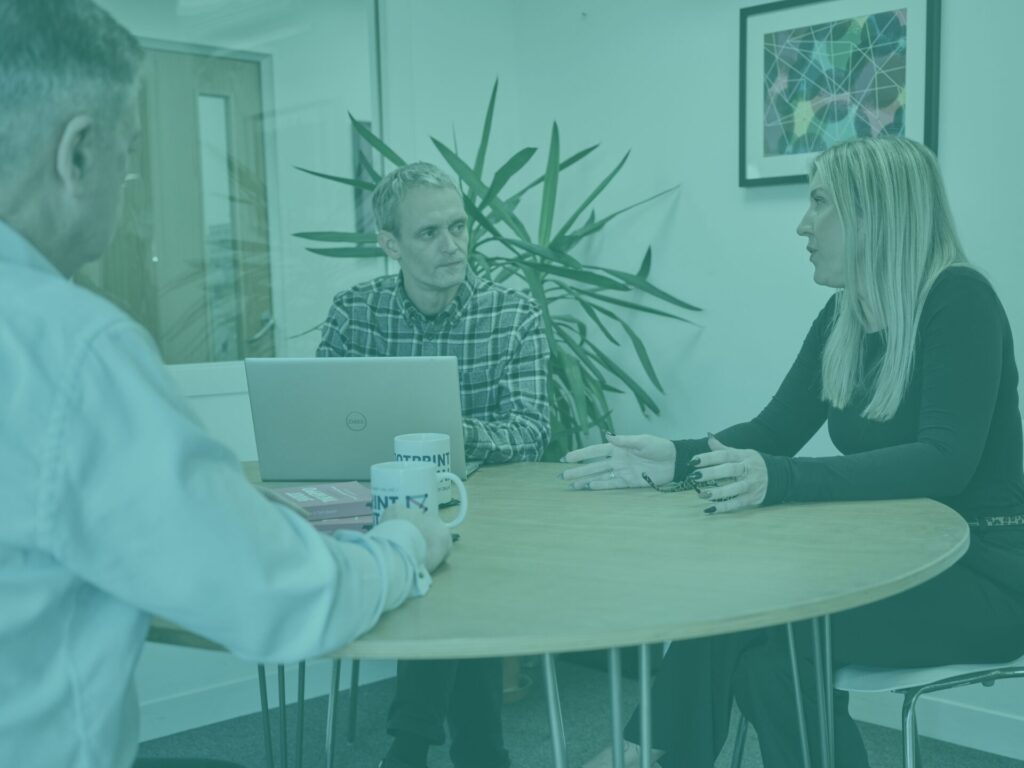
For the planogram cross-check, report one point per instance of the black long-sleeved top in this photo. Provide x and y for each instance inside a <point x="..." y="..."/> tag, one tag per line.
<point x="956" y="436"/>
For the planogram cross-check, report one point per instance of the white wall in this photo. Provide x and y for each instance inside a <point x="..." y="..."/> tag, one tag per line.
<point x="661" y="78"/>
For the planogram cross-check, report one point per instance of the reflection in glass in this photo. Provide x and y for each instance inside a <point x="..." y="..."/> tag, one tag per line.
<point x="234" y="98"/>
<point x="222" y="305"/>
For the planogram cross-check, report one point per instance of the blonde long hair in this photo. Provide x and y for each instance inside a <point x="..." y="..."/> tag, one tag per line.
<point x="900" y="236"/>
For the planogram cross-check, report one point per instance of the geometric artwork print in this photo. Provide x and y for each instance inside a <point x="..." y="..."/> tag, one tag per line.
<point x="834" y="81"/>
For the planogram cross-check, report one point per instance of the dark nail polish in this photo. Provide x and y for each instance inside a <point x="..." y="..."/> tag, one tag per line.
<point x="694" y="476"/>
<point x="695" y="461"/>
<point x="704" y="494"/>
<point x="709" y="510"/>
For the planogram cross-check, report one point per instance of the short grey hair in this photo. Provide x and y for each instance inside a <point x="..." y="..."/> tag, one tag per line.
<point x="59" y="58"/>
<point x="393" y="188"/>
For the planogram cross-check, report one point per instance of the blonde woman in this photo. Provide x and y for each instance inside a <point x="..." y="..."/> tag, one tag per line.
<point x="911" y="364"/>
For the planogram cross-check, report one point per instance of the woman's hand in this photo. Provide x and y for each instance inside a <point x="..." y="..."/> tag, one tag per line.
<point x="741" y="474"/>
<point x="622" y="462"/>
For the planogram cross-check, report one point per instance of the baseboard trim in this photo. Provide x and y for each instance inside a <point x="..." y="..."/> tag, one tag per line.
<point x="956" y="722"/>
<point x="224" y="701"/>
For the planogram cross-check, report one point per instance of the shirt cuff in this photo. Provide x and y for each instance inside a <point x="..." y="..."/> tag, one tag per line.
<point x="409" y="543"/>
<point x="780" y="479"/>
<point x="400" y="553"/>
<point x="686" y="450"/>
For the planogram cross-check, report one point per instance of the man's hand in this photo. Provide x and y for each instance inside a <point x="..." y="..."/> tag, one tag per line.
<point x="437" y="535"/>
<point x="622" y="462"/>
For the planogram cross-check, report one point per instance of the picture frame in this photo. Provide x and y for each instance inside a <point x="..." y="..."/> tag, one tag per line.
<point x="817" y="72"/>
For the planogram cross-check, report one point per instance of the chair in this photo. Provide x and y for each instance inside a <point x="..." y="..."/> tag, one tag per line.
<point x="912" y="683"/>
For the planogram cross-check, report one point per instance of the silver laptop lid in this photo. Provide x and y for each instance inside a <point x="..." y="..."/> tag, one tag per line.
<point x="330" y="418"/>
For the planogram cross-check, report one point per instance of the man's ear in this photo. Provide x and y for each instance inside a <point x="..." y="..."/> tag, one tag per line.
<point x="388" y="242"/>
<point x="76" y="151"/>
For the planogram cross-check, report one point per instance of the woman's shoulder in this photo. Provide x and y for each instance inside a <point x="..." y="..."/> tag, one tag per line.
<point x="962" y="294"/>
<point x="960" y="285"/>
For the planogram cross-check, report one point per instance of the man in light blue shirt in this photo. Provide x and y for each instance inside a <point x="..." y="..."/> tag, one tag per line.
<point x="114" y="503"/>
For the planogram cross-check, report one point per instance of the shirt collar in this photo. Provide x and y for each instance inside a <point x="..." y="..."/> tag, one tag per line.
<point x="456" y="307"/>
<point x="18" y="251"/>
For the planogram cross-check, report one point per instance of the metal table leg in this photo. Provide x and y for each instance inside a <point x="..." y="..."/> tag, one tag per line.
<point x="830" y="689"/>
<point x="805" y="751"/>
<point x="282" y="715"/>
<point x="268" y="747"/>
<point x="819" y="677"/>
<point x="615" y="682"/>
<point x="332" y="709"/>
<point x="554" y="712"/>
<point x="645" y="705"/>
<point x="300" y="720"/>
<point x="353" y="701"/>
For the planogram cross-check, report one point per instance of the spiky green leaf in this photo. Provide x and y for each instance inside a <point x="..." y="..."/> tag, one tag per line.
<point x="359" y="183"/>
<point x="550" y="192"/>
<point x="485" y="136"/>
<point x="376" y="142"/>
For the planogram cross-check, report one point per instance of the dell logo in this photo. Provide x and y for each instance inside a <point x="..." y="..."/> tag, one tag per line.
<point x="355" y="421"/>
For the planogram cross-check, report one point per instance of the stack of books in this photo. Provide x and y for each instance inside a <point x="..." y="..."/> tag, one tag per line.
<point x="330" y="506"/>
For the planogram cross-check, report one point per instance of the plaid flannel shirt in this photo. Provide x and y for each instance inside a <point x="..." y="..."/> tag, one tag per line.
<point x="495" y="332"/>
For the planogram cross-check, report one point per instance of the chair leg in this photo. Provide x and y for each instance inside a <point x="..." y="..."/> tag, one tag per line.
<point x="353" y="701"/>
<point x="740" y="741"/>
<point x="911" y="756"/>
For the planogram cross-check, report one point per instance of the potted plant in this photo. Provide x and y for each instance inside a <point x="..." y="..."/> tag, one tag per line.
<point x="582" y="304"/>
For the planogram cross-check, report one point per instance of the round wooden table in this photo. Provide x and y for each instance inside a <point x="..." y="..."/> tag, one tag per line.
<point x="542" y="569"/>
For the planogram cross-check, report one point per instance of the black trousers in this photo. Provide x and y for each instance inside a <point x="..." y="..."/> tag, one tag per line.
<point x="959" y="617"/>
<point x="467" y="693"/>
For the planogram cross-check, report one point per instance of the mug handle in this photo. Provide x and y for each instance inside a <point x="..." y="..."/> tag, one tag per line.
<point x="463" y="499"/>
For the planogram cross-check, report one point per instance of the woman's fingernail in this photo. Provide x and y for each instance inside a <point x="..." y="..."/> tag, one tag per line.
<point x="709" y="510"/>
<point x="609" y="434"/>
<point x="694" y="462"/>
<point x="694" y="476"/>
<point x="704" y="494"/>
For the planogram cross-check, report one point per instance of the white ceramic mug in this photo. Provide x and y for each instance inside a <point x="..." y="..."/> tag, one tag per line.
<point x="411" y="485"/>
<point x="435" y="447"/>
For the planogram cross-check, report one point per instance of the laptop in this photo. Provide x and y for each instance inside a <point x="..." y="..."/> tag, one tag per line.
<point x="330" y="418"/>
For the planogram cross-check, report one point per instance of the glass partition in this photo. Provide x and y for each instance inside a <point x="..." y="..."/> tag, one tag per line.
<point x="237" y="98"/>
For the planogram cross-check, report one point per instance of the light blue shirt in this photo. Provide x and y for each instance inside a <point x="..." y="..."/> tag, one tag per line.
<point x="115" y="505"/>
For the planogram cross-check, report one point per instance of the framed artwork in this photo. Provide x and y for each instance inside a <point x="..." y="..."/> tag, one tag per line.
<point x="817" y="72"/>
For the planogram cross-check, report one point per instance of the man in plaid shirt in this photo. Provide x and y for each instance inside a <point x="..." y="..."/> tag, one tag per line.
<point x="436" y="306"/>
